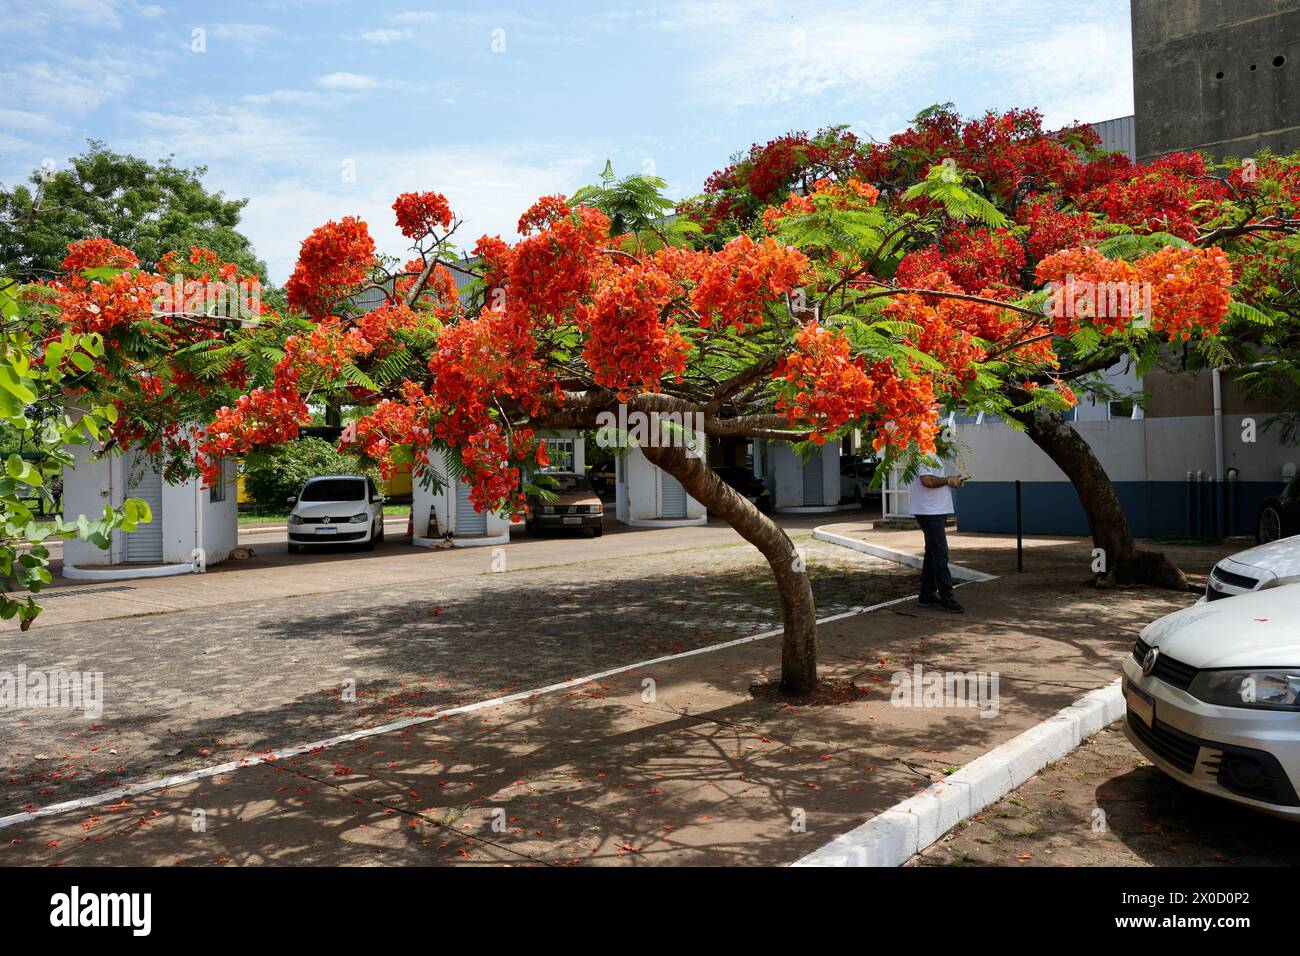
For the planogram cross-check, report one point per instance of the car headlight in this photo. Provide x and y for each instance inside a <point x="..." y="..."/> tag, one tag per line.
<point x="295" y="519"/>
<point x="548" y="510"/>
<point x="1260" y="687"/>
<point x="359" y="519"/>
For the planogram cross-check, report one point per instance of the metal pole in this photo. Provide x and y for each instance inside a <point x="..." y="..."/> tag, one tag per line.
<point x="1020" y="539"/>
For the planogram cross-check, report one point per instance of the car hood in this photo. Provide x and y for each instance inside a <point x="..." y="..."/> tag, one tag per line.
<point x="1251" y="630"/>
<point x="330" y="509"/>
<point x="1279" y="558"/>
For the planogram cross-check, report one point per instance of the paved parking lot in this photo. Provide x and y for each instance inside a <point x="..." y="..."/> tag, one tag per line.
<point x="411" y="631"/>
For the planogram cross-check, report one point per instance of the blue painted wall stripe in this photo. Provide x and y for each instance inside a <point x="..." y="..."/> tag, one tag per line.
<point x="1155" y="509"/>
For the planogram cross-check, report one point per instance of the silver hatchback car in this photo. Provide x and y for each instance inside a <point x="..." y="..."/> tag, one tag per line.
<point x="1213" y="698"/>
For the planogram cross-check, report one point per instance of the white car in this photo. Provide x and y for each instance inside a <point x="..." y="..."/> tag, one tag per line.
<point x="336" y="509"/>
<point x="1213" y="698"/>
<point x="855" y="479"/>
<point x="1263" y="566"/>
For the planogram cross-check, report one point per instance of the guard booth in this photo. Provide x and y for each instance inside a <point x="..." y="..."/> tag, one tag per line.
<point x="193" y="526"/>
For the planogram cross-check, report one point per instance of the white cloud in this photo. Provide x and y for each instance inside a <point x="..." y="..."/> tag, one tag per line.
<point x="31" y="122"/>
<point x="1081" y="71"/>
<point x="414" y="17"/>
<point x="760" y="53"/>
<point x="74" y="87"/>
<point x="347" y="81"/>
<point x="249" y="33"/>
<point x="386" y="35"/>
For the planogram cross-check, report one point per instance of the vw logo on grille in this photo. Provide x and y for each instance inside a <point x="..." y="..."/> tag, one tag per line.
<point x="326" y="519"/>
<point x="1149" y="662"/>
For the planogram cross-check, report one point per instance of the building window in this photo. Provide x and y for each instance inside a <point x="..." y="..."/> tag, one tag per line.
<point x="560" y="453"/>
<point x="218" y="491"/>
<point x="1124" y="408"/>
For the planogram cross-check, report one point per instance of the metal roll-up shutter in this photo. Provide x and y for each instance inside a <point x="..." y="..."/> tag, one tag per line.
<point x="468" y="521"/>
<point x="673" y="497"/>
<point x="814" y="492"/>
<point x="145" y="544"/>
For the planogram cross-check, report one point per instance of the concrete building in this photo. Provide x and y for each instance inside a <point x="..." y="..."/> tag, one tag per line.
<point x="189" y="521"/>
<point x="1221" y="76"/>
<point x="646" y="496"/>
<point x="800" y="485"/>
<point x="454" y="514"/>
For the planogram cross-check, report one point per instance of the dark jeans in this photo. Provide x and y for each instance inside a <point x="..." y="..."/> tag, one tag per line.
<point x="936" y="582"/>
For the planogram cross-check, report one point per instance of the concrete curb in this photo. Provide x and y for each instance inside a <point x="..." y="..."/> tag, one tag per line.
<point x="118" y="573"/>
<point x="898" y="557"/>
<point x="895" y="836"/>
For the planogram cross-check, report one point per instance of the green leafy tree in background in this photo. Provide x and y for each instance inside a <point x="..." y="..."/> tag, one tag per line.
<point x="272" y="476"/>
<point x="150" y="208"/>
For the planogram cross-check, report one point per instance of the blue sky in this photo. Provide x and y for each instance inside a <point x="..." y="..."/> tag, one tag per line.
<point x="495" y="104"/>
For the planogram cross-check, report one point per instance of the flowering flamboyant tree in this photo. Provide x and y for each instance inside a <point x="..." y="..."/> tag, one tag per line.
<point x="1097" y="223"/>
<point x="1110" y="234"/>
<point x="788" y="334"/>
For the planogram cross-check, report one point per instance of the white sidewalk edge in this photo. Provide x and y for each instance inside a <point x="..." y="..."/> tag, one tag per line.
<point x="899" y="557"/>
<point x="893" y="837"/>
<point x="117" y="572"/>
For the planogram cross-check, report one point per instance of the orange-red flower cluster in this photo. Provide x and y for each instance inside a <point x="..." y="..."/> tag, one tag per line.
<point x="826" y="388"/>
<point x="736" y="284"/>
<point x="391" y="425"/>
<point x="421" y="214"/>
<point x="265" y="416"/>
<point x="334" y="260"/>
<point x="106" y="303"/>
<point x="1179" y="291"/>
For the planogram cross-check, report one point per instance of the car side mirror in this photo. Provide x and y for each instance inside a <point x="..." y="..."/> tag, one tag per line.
<point x="377" y="499"/>
<point x="292" y="499"/>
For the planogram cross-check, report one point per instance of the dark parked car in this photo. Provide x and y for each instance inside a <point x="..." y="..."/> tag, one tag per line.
<point x="602" y="479"/>
<point x="746" y="483"/>
<point x="575" y="505"/>
<point x="1279" y="515"/>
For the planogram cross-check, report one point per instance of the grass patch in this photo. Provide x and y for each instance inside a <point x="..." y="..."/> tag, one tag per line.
<point x="280" y="516"/>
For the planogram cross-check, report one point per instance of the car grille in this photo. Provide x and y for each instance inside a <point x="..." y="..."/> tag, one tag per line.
<point x="324" y="521"/>
<point x="574" y="509"/>
<point x="327" y="538"/>
<point x="1241" y="770"/>
<point x="1174" y="746"/>
<point x="1173" y="672"/>
<point x="1235" y="580"/>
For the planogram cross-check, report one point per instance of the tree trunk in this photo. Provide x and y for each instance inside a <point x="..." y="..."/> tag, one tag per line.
<point x="798" y="610"/>
<point x="1122" y="561"/>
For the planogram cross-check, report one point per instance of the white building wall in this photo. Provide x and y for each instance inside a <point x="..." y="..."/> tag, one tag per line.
<point x="787" y="468"/>
<point x="1145" y="449"/>
<point x="88" y="486"/>
<point x="639" y="491"/>
<point x="443" y="504"/>
<point x="189" y="518"/>
<point x="192" y="520"/>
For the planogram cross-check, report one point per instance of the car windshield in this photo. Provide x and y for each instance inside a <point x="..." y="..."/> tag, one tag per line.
<point x="335" y="489"/>
<point x="567" y="484"/>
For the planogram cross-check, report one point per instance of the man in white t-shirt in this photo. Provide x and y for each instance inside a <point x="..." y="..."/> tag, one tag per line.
<point x="930" y="495"/>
